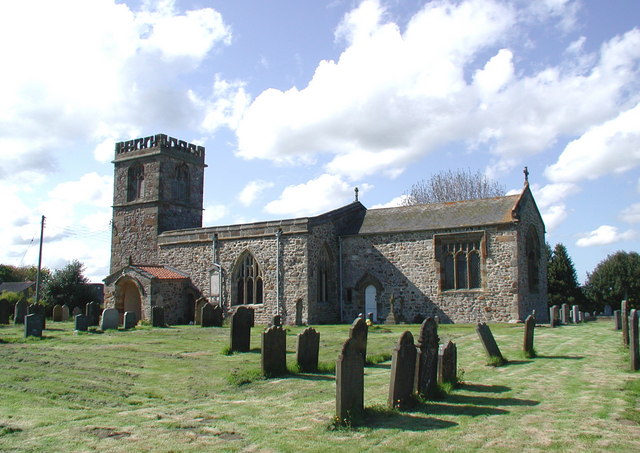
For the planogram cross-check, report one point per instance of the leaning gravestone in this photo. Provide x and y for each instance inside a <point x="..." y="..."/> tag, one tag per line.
<point x="157" y="316"/>
<point x="81" y="322"/>
<point x="529" y="328"/>
<point x="65" y="312"/>
<point x="350" y="380"/>
<point x="4" y="311"/>
<point x="130" y="319"/>
<point x="206" y="315"/>
<point x="308" y="350"/>
<point x="624" y="320"/>
<point x="110" y="318"/>
<point x="38" y="309"/>
<point x="448" y="364"/>
<point x="57" y="313"/>
<point x="33" y="325"/>
<point x="93" y="313"/>
<point x="575" y="310"/>
<point x="240" y="333"/>
<point x="19" y="312"/>
<point x="359" y="332"/>
<point x="553" y="316"/>
<point x="617" y="320"/>
<point x="564" y="314"/>
<point x="634" y="345"/>
<point x="489" y="343"/>
<point x="201" y="302"/>
<point x="427" y="384"/>
<point x="274" y="351"/>
<point x="403" y="371"/>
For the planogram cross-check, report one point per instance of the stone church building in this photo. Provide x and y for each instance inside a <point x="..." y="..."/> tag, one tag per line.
<point x="467" y="261"/>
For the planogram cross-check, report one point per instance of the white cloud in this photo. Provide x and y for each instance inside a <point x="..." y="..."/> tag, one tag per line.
<point x="604" y="235"/>
<point x="393" y="203"/>
<point x="252" y="190"/>
<point x="631" y="214"/>
<point x="553" y="216"/>
<point x="213" y="213"/>
<point x="313" y="197"/>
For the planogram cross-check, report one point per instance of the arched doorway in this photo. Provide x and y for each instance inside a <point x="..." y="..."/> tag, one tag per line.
<point x="371" y="302"/>
<point x="130" y="297"/>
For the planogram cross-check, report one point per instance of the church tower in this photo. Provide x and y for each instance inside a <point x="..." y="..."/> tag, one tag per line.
<point x="158" y="186"/>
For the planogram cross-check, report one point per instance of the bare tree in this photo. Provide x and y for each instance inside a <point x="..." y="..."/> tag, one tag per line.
<point x="453" y="186"/>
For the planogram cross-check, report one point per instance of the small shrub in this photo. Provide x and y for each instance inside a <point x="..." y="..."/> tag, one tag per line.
<point x="293" y="368"/>
<point x="243" y="377"/>
<point x="375" y="359"/>
<point x="496" y="361"/>
<point x="326" y="367"/>
<point x="529" y="354"/>
<point x="460" y="377"/>
<point x="227" y="350"/>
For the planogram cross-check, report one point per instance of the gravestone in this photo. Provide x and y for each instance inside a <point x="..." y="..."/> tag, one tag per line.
<point x="427" y="377"/>
<point x="65" y="312"/>
<point x="57" y="313"/>
<point x="201" y="302"/>
<point x="634" y="346"/>
<point x="370" y="317"/>
<point x="276" y="321"/>
<point x="617" y="320"/>
<point x="489" y="343"/>
<point x="4" y="311"/>
<point x="391" y="317"/>
<point x="76" y="311"/>
<point x="350" y="380"/>
<point x="218" y="316"/>
<point x="240" y="332"/>
<point x="553" y="316"/>
<point x="33" y="325"/>
<point x="403" y="371"/>
<point x="307" y="350"/>
<point x="157" y="316"/>
<point x="274" y="351"/>
<point x="607" y="310"/>
<point x="575" y="310"/>
<point x="110" y="318"/>
<point x="38" y="309"/>
<point x="624" y="320"/>
<point x="564" y="314"/>
<point x="206" y="315"/>
<point x="359" y="331"/>
<point x="529" y="328"/>
<point x="448" y="364"/>
<point x="92" y="310"/>
<point x="130" y="319"/>
<point x="81" y="322"/>
<point x="581" y="316"/>
<point x="19" y="312"/>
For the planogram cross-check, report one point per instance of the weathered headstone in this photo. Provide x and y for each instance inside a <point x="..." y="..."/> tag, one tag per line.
<point x="403" y="371"/>
<point x="57" y="313"/>
<point x="624" y="319"/>
<point x="76" y="311"/>
<point x="157" y="316"/>
<point x="553" y="316"/>
<point x="427" y="377"/>
<point x="489" y="343"/>
<point x="38" y="309"/>
<point x="218" y="316"/>
<point x="307" y="350"/>
<point x="581" y="316"/>
<point x="276" y="321"/>
<point x="4" y="311"/>
<point x="448" y="364"/>
<point x="634" y="345"/>
<point x="81" y="322"/>
<point x="575" y="310"/>
<point x="201" y="302"/>
<point x="617" y="320"/>
<point x="20" y="311"/>
<point x="274" y="351"/>
<point x="240" y="333"/>
<point x="607" y="310"/>
<point x="350" y="380"/>
<point x="529" y="328"/>
<point x="359" y="332"/>
<point x="564" y="314"/>
<point x="110" y="318"/>
<point x="130" y="319"/>
<point x="92" y="310"/>
<point x="206" y="315"/>
<point x="65" y="312"/>
<point x="33" y="325"/>
<point x="391" y="317"/>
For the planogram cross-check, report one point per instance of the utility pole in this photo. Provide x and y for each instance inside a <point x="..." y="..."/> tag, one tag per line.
<point x="39" y="260"/>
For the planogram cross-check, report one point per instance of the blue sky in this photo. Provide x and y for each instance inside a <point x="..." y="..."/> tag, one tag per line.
<point x="298" y="102"/>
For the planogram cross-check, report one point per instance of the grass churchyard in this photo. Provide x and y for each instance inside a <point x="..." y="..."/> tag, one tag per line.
<point x="182" y="389"/>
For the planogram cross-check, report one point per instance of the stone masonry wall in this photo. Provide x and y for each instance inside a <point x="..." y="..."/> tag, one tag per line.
<point x="328" y="311"/>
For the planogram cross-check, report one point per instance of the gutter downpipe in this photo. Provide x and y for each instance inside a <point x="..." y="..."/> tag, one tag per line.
<point x="278" y="235"/>
<point x="340" y="277"/>
<point x="218" y="266"/>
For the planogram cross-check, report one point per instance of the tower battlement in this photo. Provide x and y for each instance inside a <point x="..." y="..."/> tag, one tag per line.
<point x="159" y="141"/>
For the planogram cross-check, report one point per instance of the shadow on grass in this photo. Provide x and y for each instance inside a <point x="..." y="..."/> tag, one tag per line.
<point x="516" y="362"/>
<point x="49" y="329"/>
<point x="560" y="357"/>
<point x="407" y="422"/>
<point x="488" y="401"/>
<point x="459" y="409"/>
<point x="480" y="388"/>
<point x="309" y="376"/>
<point x="378" y="365"/>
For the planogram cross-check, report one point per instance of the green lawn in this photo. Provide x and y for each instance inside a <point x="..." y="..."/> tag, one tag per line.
<point x="171" y="390"/>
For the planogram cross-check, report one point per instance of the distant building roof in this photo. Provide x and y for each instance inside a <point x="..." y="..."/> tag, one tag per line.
<point x="15" y="287"/>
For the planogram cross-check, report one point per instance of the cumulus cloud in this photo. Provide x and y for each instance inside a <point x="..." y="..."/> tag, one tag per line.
<point x="321" y="194"/>
<point x="393" y="203"/>
<point x="252" y="190"/>
<point x="213" y="213"/>
<point x="631" y="214"/>
<point x="605" y="235"/>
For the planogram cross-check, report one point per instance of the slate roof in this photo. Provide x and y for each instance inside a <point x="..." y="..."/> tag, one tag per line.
<point x="438" y="216"/>
<point x="15" y="287"/>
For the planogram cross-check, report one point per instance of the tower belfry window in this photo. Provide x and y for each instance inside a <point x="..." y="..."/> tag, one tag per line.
<point x="181" y="183"/>
<point x="135" y="182"/>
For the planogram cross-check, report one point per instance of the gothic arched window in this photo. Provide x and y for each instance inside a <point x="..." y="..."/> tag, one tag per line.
<point x="135" y="182"/>
<point x="248" y="282"/>
<point x="461" y="263"/>
<point x="532" y="246"/>
<point x="324" y="273"/>
<point x="181" y="183"/>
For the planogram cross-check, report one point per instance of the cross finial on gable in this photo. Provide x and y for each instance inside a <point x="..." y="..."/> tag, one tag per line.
<point x="526" y="175"/>
<point x="356" y="191"/>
